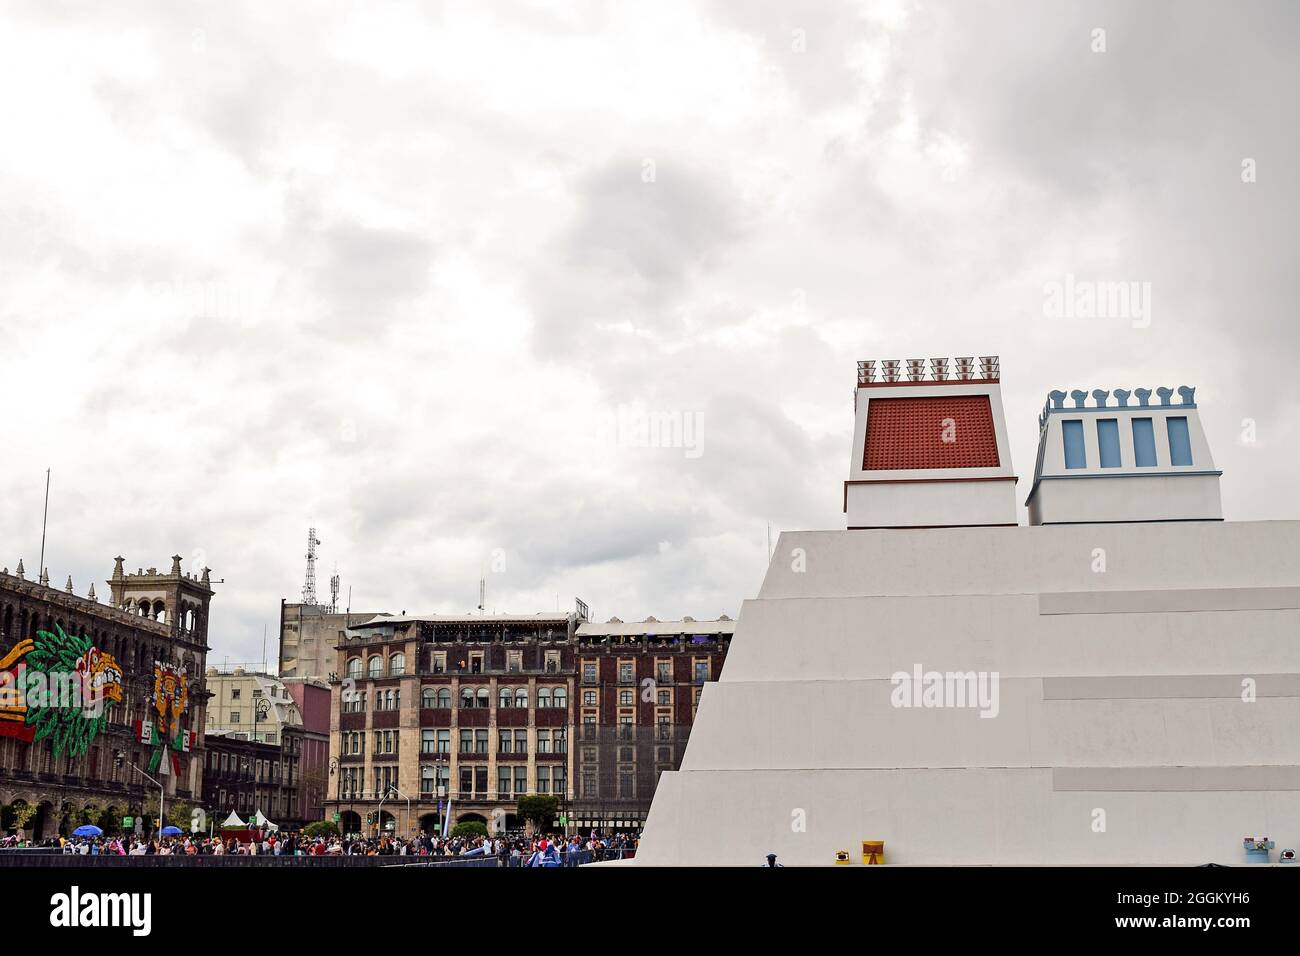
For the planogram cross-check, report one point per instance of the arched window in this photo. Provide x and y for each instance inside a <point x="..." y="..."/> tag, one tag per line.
<point x="390" y="700"/>
<point x="505" y="697"/>
<point x="397" y="664"/>
<point x="354" y="667"/>
<point x="444" y="698"/>
<point x="560" y="697"/>
<point x="467" y="697"/>
<point x="521" y="697"/>
<point x="376" y="666"/>
<point x="429" y="697"/>
<point x="543" y="697"/>
<point x="484" y="698"/>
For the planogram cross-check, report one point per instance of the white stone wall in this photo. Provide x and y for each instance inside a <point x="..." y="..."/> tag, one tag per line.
<point x="1121" y="652"/>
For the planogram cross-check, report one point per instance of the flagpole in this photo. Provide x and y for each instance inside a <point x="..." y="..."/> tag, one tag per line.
<point x="44" y="521"/>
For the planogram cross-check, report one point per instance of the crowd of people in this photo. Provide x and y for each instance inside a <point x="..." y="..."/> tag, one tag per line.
<point x="544" y="851"/>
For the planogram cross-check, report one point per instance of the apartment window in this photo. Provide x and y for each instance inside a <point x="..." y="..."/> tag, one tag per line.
<point x="426" y="781"/>
<point x="234" y="716"/>
<point x="1144" y="443"/>
<point x="466" y="781"/>
<point x="1072" y="434"/>
<point x="484" y="698"/>
<point x="481" y="741"/>
<point x="444" y="741"/>
<point x="543" y="741"/>
<point x="543" y="697"/>
<point x="559" y="781"/>
<point x="552" y="662"/>
<point x="467" y="741"/>
<point x="625" y="698"/>
<point x="427" y="741"/>
<point x="467" y="697"/>
<point x="503" y="782"/>
<point x="514" y="661"/>
<point x="560" y="736"/>
<point x="396" y="665"/>
<point x="521" y="741"/>
<point x="543" y="779"/>
<point x="1108" y="442"/>
<point x="664" y="672"/>
<point x="521" y="779"/>
<point x="476" y="662"/>
<point x="505" y="742"/>
<point x="521" y="697"/>
<point x="376" y="666"/>
<point x="626" y="785"/>
<point x="234" y="693"/>
<point x="440" y="662"/>
<point x="625" y="727"/>
<point x="560" y="697"/>
<point x="505" y="697"/>
<point x="665" y="698"/>
<point x="626" y="672"/>
<point x="428" y="698"/>
<point x="701" y="671"/>
<point x="1180" y="443"/>
<point x="589" y="785"/>
<point x="444" y="698"/>
<point x="354" y="667"/>
<point x="589" y="672"/>
<point x="588" y="698"/>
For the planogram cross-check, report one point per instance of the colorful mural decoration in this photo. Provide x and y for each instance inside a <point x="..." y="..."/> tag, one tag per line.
<point x="171" y="698"/>
<point x="57" y="687"/>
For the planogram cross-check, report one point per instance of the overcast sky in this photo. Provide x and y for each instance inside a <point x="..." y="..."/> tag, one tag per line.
<point x="412" y="271"/>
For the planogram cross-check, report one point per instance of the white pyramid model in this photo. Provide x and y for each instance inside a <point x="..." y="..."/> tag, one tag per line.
<point x="1125" y="690"/>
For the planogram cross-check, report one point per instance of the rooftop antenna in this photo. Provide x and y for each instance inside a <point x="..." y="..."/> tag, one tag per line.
<point x="44" y="521"/>
<point x="309" y="587"/>
<point x="334" y="591"/>
<point x="482" y="593"/>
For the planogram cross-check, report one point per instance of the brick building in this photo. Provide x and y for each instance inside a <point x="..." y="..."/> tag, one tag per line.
<point x="639" y="685"/>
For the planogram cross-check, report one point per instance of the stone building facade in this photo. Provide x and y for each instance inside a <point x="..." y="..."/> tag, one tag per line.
<point x="152" y="616"/>
<point x="462" y="715"/>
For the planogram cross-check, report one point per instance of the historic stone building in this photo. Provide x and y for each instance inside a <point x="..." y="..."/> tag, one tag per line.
<point x="152" y="617"/>
<point x="471" y="712"/>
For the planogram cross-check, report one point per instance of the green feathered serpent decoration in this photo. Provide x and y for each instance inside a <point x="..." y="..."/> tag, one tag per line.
<point x="70" y="729"/>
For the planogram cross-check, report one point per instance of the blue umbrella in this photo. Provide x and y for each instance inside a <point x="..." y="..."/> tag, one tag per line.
<point x="88" y="830"/>
<point x="171" y="831"/>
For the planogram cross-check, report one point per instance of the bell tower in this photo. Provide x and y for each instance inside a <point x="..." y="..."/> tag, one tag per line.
<point x="174" y="598"/>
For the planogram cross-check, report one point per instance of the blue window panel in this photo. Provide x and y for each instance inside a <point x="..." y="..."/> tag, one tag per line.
<point x="1180" y="444"/>
<point x="1072" y="431"/>
<point x="1108" y="442"/>
<point x="1144" y="443"/>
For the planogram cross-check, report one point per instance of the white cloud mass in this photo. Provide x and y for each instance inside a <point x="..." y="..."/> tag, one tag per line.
<point x="397" y="269"/>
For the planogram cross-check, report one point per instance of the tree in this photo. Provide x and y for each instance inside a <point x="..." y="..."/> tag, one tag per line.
<point x="469" y="828"/>
<point x="539" y="809"/>
<point x="179" y="813"/>
<point x="321" y="828"/>
<point x="23" y="813"/>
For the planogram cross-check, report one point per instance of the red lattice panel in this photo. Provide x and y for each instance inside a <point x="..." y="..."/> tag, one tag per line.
<point x="909" y="433"/>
